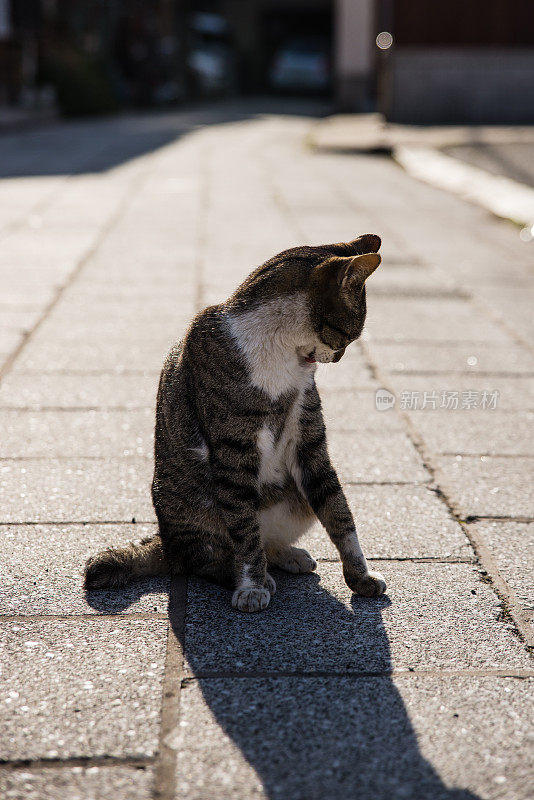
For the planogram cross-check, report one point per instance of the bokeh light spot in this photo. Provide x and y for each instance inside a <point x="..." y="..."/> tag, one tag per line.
<point x="384" y="40"/>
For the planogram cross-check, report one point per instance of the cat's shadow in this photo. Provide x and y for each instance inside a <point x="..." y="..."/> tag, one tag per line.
<point x="302" y="690"/>
<point x="111" y="601"/>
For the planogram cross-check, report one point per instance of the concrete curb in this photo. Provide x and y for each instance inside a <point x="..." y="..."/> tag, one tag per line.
<point x="502" y="196"/>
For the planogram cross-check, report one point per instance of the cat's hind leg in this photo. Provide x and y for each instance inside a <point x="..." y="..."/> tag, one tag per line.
<point x="195" y="550"/>
<point x="291" y="559"/>
<point x="204" y="553"/>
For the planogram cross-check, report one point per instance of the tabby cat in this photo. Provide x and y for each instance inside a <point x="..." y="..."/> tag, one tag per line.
<point x="241" y="461"/>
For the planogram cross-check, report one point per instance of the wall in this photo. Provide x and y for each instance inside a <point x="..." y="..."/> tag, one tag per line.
<point x="490" y="85"/>
<point x="354" y="54"/>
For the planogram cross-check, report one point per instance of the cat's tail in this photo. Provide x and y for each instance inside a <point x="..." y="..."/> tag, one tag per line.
<point x="114" y="567"/>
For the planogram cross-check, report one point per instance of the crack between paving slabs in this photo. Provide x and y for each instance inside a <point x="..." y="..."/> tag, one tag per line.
<point x="520" y="674"/>
<point x="509" y="600"/>
<point x="7" y="765"/>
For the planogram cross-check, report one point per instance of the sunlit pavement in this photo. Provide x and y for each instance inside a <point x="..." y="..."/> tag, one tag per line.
<point x="514" y="160"/>
<point x="113" y="234"/>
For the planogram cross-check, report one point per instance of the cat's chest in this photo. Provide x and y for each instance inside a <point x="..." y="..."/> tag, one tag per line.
<point x="277" y="444"/>
<point x="262" y="337"/>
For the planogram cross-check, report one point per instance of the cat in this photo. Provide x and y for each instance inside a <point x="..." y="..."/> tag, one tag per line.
<point x="241" y="461"/>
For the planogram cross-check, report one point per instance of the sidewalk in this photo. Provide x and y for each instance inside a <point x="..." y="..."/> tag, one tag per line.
<point x="491" y="166"/>
<point x="113" y="234"/>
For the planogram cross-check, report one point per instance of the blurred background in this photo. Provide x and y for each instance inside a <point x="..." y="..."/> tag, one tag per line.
<point x="412" y="60"/>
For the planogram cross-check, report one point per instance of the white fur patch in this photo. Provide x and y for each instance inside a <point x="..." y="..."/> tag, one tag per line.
<point x="274" y="337"/>
<point x="352" y="552"/>
<point x="202" y="452"/>
<point x="245" y="582"/>
<point x="278" y="459"/>
<point x="324" y="354"/>
<point x="269" y="336"/>
<point x="271" y="458"/>
<point x="279" y="527"/>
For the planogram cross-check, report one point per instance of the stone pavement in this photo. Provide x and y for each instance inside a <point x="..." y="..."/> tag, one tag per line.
<point x="352" y="133"/>
<point x="489" y="165"/>
<point x="113" y="234"/>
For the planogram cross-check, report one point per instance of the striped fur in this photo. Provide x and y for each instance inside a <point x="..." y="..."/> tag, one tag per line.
<point x="241" y="461"/>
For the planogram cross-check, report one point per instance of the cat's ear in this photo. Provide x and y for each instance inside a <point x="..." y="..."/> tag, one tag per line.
<point x="355" y="270"/>
<point x="368" y="243"/>
<point x="343" y="274"/>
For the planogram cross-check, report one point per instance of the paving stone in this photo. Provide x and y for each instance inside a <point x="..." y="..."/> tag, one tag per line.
<point x="487" y="485"/>
<point x="104" y="356"/>
<point x="175" y="290"/>
<point x="399" y="279"/>
<point x="512" y="547"/>
<point x="435" y="616"/>
<point x="70" y="490"/>
<point x="513" y="393"/>
<point x="135" y="261"/>
<point x="18" y="261"/>
<point x="452" y="358"/>
<point x="124" y="319"/>
<point x="396" y="522"/>
<point x="36" y="297"/>
<point x="428" y="319"/>
<point x="17" y="319"/>
<point x="350" y="409"/>
<point x="16" y="275"/>
<point x="20" y="195"/>
<point x="513" y="304"/>
<point x="476" y="432"/>
<point x="88" y="688"/>
<point x="115" y="314"/>
<point x="350" y="372"/>
<point x="375" y="738"/>
<point x="9" y="307"/>
<point x="42" y="244"/>
<point x="53" y="390"/>
<point x="42" y="569"/>
<point x="77" y="783"/>
<point x="9" y="340"/>
<point x="70" y="434"/>
<point x="375" y="454"/>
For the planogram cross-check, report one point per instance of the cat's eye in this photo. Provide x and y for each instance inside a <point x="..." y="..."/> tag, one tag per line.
<point x="346" y="338"/>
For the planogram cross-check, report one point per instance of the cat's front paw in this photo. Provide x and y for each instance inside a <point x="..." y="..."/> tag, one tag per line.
<point x="251" y="599"/>
<point x="368" y="584"/>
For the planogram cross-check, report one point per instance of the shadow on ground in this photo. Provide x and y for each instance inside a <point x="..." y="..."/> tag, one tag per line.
<point x="94" y="146"/>
<point x="109" y="601"/>
<point x="303" y="691"/>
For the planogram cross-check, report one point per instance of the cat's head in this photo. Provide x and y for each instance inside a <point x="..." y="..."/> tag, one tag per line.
<point x="336" y="297"/>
